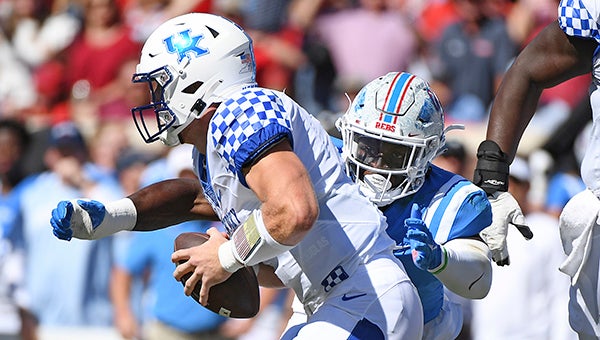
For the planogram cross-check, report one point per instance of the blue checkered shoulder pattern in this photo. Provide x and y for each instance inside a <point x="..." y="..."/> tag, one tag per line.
<point x="576" y="20"/>
<point x="247" y="124"/>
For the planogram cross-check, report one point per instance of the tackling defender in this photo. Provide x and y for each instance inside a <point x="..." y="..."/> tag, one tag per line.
<point x="391" y="132"/>
<point x="566" y="48"/>
<point x="269" y="172"/>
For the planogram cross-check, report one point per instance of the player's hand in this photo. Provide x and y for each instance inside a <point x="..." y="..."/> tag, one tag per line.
<point x="203" y="262"/>
<point x="426" y="253"/>
<point x="77" y="218"/>
<point x="505" y="211"/>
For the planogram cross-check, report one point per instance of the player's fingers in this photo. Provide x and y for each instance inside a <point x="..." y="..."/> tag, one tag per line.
<point x="415" y="211"/>
<point x="525" y="231"/>
<point x="61" y="232"/>
<point x="190" y="283"/>
<point x="182" y="269"/>
<point x="204" y="291"/>
<point x="417" y="235"/>
<point x="213" y="232"/>
<point x="180" y="255"/>
<point x="63" y="212"/>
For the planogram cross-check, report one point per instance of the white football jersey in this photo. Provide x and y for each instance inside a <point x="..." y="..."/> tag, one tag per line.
<point x="349" y="228"/>
<point x="581" y="19"/>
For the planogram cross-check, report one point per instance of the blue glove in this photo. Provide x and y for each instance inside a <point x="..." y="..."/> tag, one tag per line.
<point x="77" y="218"/>
<point x="426" y="253"/>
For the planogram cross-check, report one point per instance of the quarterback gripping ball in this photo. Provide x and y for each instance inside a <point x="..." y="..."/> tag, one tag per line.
<point x="236" y="297"/>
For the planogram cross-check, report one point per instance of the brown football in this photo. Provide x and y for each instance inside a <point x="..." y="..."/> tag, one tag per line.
<point x="236" y="297"/>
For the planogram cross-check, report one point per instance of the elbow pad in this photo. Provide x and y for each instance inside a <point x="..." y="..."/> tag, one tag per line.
<point x="466" y="268"/>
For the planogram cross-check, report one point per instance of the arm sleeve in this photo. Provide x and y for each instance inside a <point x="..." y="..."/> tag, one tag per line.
<point x="468" y="270"/>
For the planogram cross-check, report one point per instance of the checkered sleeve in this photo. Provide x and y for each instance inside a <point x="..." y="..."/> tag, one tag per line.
<point x="578" y="18"/>
<point x="246" y="125"/>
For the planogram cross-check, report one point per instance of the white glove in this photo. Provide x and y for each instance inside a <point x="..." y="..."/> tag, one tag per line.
<point x="505" y="211"/>
<point x="90" y="220"/>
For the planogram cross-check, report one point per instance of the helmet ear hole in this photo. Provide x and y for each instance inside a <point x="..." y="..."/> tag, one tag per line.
<point x="193" y="87"/>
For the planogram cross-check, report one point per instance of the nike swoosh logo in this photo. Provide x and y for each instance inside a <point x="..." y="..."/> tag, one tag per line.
<point x="152" y="55"/>
<point x="474" y="282"/>
<point x="352" y="297"/>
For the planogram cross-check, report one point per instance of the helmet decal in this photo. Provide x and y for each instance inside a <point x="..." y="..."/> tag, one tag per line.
<point x="397" y="92"/>
<point x="184" y="45"/>
<point x="189" y="63"/>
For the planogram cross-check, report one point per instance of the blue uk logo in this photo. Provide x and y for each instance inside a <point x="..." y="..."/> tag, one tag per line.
<point x="185" y="45"/>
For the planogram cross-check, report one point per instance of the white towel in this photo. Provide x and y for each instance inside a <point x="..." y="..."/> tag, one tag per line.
<point x="577" y="221"/>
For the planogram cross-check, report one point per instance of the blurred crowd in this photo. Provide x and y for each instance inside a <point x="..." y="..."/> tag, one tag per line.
<point x="66" y="132"/>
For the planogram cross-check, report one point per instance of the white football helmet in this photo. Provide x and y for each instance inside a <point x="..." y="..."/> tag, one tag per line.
<point x="190" y="62"/>
<point x="391" y="132"/>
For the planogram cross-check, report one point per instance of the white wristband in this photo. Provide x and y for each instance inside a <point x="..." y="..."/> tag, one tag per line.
<point x="120" y="215"/>
<point x="250" y="244"/>
<point x="227" y="257"/>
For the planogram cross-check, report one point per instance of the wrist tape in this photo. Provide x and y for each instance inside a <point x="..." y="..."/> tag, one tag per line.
<point x="491" y="172"/>
<point x="250" y="244"/>
<point x="118" y="215"/>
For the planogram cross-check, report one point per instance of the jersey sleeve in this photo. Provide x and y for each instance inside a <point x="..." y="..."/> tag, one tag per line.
<point x="578" y="18"/>
<point x="247" y="125"/>
<point x="462" y="212"/>
<point x="475" y="215"/>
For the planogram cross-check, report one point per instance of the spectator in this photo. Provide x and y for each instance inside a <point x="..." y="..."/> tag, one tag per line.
<point x="365" y="42"/>
<point x="144" y="16"/>
<point x="96" y="60"/>
<point x="40" y="30"/>
<point x="17" y="91"/>
<point x="16" y="320"/>
<point x="277" y="45"/>
<point x="84" y="267"/>
<point x="470" y="60"/>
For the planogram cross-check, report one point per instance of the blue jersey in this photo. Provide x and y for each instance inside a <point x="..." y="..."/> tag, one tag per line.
<point x="455" y="208"/>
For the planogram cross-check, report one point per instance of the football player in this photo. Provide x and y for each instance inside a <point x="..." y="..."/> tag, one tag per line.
<point x="564" y="49"/>
<point x="391" y="132"/>
<point x="269" y="172"/>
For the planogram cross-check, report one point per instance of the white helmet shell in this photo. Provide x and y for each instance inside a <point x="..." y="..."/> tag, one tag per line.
<point x="190" y="62"/>
<point x="392" y="130"/>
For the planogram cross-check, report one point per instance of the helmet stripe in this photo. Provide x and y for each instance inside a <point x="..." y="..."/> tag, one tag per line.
<point x="398" y="89"/>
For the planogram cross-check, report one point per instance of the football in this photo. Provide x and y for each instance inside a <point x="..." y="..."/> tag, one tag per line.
<point x="236" y="297"/>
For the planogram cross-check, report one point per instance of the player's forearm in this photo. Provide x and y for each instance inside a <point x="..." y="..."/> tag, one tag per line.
<point x="513" y="108"/>
<point x="170" y="202"/>
<point x="468" y="270"/>
<point x="550" y="59"/>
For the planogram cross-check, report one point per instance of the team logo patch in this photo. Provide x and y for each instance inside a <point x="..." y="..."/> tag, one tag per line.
<point x="185" y="45"/>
